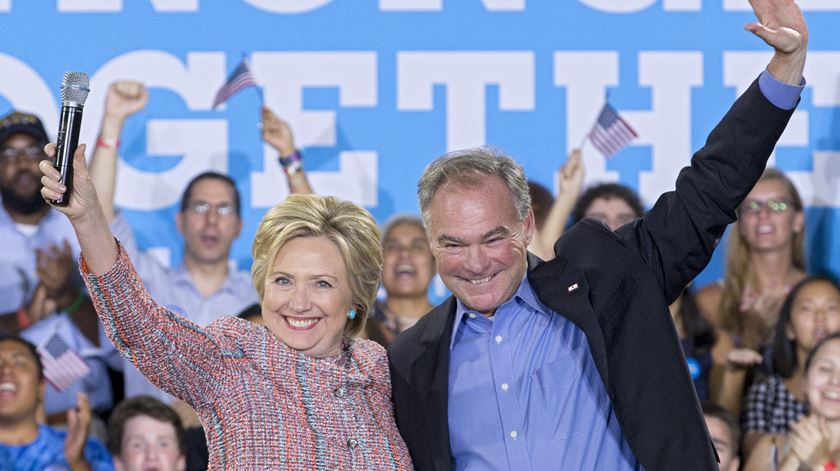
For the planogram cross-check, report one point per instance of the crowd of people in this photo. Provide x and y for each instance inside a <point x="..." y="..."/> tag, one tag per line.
<point x="573" y="338"/>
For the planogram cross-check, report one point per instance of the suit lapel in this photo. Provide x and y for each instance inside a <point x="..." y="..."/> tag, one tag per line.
<point x="565" y="289"/>
<point x="429" y="373"/>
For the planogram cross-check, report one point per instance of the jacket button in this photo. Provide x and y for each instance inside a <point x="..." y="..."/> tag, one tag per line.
<point x="352" y="443"/>
<point x="340" y="392"/>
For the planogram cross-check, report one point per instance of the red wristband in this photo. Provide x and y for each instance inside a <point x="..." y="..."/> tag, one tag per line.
<point x="22" y="318"/>
<point x="108" y="143"/>
<point x="830" y="466"/>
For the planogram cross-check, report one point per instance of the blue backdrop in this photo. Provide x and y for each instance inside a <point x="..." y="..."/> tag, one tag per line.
<point x="376" y="89"/>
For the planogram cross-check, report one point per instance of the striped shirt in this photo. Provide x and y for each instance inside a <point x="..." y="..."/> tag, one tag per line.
<point x="263" y="405"/>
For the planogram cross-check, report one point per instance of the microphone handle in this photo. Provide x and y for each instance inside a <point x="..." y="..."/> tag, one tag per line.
<point x="68" y="141"/>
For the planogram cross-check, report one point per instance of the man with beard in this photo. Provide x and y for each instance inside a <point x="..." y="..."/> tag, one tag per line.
<point x="28" y="227"/>
<point x="42" y="294"/>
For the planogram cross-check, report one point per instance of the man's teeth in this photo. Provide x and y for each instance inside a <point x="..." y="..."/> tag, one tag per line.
<point x="764" y="229"/>
<point x="833" y="395"/>
<point x="8" y="387"/>
<point x="481" y="281"/>
<point x="301" y="323"/>
<point x="408" y="269"/>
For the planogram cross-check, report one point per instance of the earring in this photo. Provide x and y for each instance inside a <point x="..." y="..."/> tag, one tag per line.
<point x="351" y="313"/>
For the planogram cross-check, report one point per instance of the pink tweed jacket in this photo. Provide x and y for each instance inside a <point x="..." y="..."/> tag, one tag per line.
<point x="263" y="405"/>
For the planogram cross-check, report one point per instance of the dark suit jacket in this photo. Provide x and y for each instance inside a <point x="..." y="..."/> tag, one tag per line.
<point x="625" y="282"/>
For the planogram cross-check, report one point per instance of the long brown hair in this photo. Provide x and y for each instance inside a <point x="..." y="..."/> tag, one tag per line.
<point x="739" y="269"/>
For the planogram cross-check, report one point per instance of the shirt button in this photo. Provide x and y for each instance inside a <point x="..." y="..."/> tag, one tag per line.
<point x="513" y="434"/>
<point x="340" y="392"/>
<point x="504" y="386"/>
<point x="498" y="339"/>
<point x="352" y="443"/>
<point x="472" y="316"/>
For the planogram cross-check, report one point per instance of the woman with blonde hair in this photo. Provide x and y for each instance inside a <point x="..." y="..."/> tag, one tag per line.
<point x="299" y="393"/>
<point x="765" y="257"/>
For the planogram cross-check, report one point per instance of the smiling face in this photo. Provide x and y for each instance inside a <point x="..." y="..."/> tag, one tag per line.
<point x="822" y="386"/>
<point x="408" y="265"/>
<point x="149" y="444"/>
<point x="478" y="242"/>
<point x="814" y="314"/>
<point x="20" y="387"/>
<point x="209" y="236"/>
<point x="764" y="229"/>
<point x="307" y="295"/>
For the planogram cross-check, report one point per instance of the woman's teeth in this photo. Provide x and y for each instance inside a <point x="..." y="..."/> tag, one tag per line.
<point x="300" y="323"/>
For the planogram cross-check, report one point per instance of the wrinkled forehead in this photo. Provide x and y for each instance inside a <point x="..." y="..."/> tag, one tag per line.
<point x="486" y="199"/>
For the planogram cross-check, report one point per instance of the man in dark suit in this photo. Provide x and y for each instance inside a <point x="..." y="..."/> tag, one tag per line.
<point x="575" y="363"/>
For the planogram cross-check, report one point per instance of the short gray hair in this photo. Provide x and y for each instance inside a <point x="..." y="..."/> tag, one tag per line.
<point x="469" y="167"/>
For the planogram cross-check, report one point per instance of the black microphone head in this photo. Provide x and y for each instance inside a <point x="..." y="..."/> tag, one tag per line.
<point x="74" y="89"/>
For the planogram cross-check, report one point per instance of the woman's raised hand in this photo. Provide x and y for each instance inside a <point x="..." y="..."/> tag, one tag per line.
<point x="83" y="201"/>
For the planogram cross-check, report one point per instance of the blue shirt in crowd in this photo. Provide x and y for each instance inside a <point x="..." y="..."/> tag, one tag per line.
<point x="46" y="453"/>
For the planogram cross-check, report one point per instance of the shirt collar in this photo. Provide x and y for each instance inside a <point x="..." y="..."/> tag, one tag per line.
<point x="524" y="293"/>
<point x="182" y="275"/>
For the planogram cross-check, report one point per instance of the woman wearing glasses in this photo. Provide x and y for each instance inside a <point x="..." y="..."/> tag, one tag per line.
<point x="765" y="257"/>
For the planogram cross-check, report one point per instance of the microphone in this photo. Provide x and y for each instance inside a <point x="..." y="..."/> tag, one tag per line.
<point x="74" y="91"/>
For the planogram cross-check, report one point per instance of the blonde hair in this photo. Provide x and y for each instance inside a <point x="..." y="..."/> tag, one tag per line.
<point x="351" y="228"/>
<point x="739" y="270"/>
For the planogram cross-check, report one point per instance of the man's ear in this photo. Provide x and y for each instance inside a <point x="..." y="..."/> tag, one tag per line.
<point x="529" y="226"/>
<point x="182" y="463"/>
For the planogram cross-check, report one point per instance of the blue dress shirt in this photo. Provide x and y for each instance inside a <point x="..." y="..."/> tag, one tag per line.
<point x="524" y="393"/>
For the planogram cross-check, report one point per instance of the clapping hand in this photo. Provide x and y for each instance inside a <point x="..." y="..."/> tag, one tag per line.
<point x="809" y="441"/>
<point x="54" y="266"/>
<point x="78" y="428"/>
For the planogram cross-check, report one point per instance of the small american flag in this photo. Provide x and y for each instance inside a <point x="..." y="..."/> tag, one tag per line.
<point x="241" y="78"/>
<point x="62" y="365"/>
<point x="611" y="133"/>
